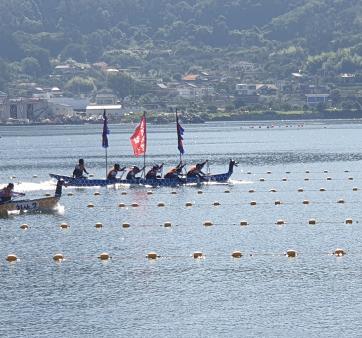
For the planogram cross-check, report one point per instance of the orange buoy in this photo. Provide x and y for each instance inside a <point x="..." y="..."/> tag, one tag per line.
<point x="349" y="221"/>
<point x="126" y="225"/>
<point x="24" y="226"/>
<point x="121" y="205"/>
<point x="64" y="226"/>
<point x="152" y="255"/>
<point x="11" y="258"/>
<point x="135" y="205"/>
<point x="198" y="254"/>
<point x="90" y="205"/>
<point x="104" y="256"/>
<point x="58" y="257"/>
<point x="99" y="225"/>
<point x="339" y="252"/>
<point x="291" y="253"/>
<point x="306" y="202"/>
<point x="161" y="204"/>
<point x="236" y="254"/>
<point x="188" y="204"/>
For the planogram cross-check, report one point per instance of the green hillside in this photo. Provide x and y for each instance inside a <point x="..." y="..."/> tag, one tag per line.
<point x="171" y="37"/>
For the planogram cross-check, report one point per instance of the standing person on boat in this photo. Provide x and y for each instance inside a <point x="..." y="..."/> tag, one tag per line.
<point x="7" y="193"/>
<point x="112" y="174"/>
<point x="79" y="170"/>
<point x="196" y="171"/>
<point x="175" y="172"/>
<point x="131" y="175"/>
<point x="152" y="173"/>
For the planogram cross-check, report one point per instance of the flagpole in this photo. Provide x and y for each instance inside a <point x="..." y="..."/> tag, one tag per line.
<point x="106" y="161"/>
<point x="144" y="154"/>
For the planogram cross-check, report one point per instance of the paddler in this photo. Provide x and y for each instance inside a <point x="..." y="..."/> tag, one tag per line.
<point x="196" y="171"/>
<point x="79" y="170"/>
<point x="152" y="173"/>
<point x="112" y="174"/>
<point x="7" y="193"/>
<point x="131" y="175"/>
<point x="175" y="172"/>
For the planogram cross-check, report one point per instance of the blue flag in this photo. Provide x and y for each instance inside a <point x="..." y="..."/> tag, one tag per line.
<point x="180" y="132"/>
<point x="105" y="131"/>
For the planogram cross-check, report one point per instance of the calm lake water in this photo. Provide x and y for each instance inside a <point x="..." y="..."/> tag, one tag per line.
<point x="264" y="293"/>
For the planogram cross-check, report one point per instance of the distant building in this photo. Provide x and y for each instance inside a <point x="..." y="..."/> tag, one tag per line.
<point x="245" y="89"/>
<point x="315" y="99"/>
<point x="114" y="110"/>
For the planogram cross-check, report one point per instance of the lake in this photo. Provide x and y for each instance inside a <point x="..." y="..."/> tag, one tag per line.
<point x="293" y="172"/>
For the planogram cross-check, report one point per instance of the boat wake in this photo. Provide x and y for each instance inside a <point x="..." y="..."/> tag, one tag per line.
<point x="31" y="186"/>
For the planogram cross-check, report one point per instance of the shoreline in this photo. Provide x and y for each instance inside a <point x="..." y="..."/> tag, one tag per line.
<point x="196" y="119"/>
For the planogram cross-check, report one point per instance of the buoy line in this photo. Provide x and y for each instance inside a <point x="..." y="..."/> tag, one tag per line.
<point x="205" y="223"/>
<point x="325" y="171"/>
<point x="105" y="256"/>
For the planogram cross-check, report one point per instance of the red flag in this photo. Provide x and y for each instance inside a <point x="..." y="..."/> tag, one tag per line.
<point x="139" y="138"/>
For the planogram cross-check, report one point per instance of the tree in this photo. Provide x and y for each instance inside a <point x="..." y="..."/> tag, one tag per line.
<point x="30" y="66"/>
<point x="73" y="51"/>
<point x="79" y="85"/>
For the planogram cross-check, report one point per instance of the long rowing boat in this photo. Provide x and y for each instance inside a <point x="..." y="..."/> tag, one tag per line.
<point x="33" y="205"/>
<point x="166" y="182"/>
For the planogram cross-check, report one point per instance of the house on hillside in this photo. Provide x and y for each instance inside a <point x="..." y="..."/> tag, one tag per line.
<point x="315" y="99"/>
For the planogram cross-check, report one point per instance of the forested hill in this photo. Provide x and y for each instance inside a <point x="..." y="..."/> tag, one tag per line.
<point x="280" y="35"/>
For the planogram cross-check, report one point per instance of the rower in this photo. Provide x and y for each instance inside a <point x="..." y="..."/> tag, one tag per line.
<point x="79" y="170"/>
<point x="131" y="175"/>
<point x="175" y="172"/>
<point x="196" y="171"/>
<point x="152" y="173"/>
<point x="112" y="174"/>
<point x="7" y="193"/>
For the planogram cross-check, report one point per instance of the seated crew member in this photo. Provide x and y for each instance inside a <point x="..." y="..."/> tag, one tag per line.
<point x="7" y="193"/>
<point x="152" y="173"/>
<point x="131" y="175"/>
<point x="196" y="171"/>
<point x="79" y="170"/>
<point x="112" y="174"/>
<point x="175" y="172"/>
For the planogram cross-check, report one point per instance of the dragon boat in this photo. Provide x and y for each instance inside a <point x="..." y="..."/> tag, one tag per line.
<point x="33" y="205"/>
<point x="164" y="182"/>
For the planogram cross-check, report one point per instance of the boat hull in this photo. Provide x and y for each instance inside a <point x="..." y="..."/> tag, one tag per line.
<point x="40" y="204"/>
<point x="165" y="182"/>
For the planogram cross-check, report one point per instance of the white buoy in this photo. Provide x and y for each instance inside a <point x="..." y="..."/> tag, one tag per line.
<point x="306" y="202"/>
<point x="70" y="194"/>
<point x="280" y="222"/>
<point x="121" y="205"/>
<point x="262" y="179"/>
<point x="167" y="224"/>
<point x="216" y="203"/>
<point x="306" y="179"/>
<point x="244" y="223"/>
<point x="253" y="203"/>
<point x="161" y="204"/>
<point x="268" y="172"/>
<point x="307" y="171"/>
<point x="329" y="178"/>
<point x="355" y="189"/>
<point x="341" y="201"/>
<point x="300" y="190"/>
<point x="208" y="223"/>
<point x="277" y="202"/>
<point x="251" y="191"/>
<point x="149" y="192"/>
<point x="322" y="189"/>
<point x="173" y="192"/>
<point x="97" y="193"/>
<point x="273" y="190"/>
<point x="135" y="205"/>
<point x="126" y="225"/>
<point x="90" y="205"/>
<point x="35" y="176"/>
<point x="200" y="192"/>
<point x="24" y="226"/>
<point x="64" y="226"/>
<point x="350" y="178"/>
<point x="325" y="171"/>
<point x="312" y="221"/>
<point x="124" y="193"/>
<point x="188" y="204"/>
<point x="99" y="225"/>
<point x="91" y="175"/>
<point x="227" y="191"/>
<point x="284" y="179"/>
